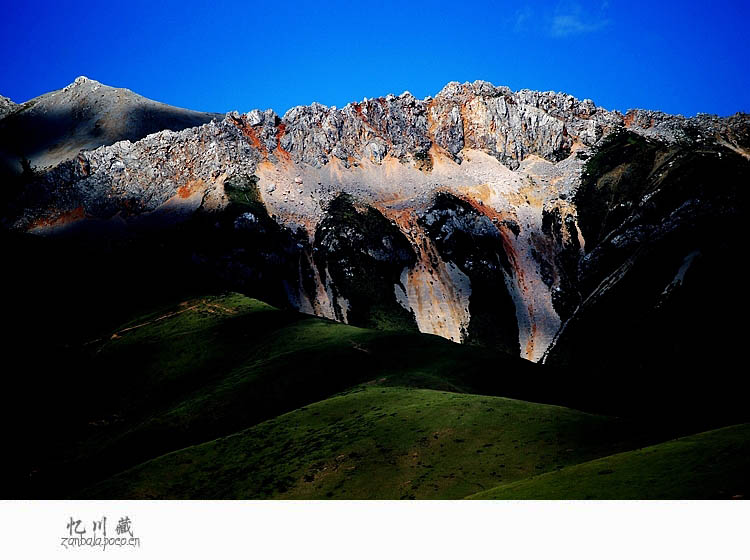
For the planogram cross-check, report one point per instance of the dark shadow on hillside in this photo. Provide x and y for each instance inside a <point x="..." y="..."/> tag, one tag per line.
<point x="52" y="134"/>
<point x="66" y="292"/>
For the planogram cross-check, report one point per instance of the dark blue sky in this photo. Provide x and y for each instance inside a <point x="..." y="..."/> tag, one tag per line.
<point x="680" y="57"/>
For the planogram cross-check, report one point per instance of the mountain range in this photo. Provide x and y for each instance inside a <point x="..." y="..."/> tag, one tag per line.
<point x="527" y="226"/>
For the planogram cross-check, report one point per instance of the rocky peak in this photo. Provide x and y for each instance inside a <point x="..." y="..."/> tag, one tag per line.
<point x="479" y="115"/>
<point x="508" y="125"/>
<point x="6" y="106"/>
<point x="82" y="82"/>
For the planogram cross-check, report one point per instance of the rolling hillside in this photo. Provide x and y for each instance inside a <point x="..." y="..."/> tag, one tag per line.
<point x="710" y="465"/>
<point x="228" y="397"/>
<point x="377" y="442"/>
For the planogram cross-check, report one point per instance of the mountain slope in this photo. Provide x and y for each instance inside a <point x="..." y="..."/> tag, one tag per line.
<point x="710" y="465"/>
<point x="663" y="225"/>
<point x="210" y="366"/>
<point x="227" y="397"/>
<point x="486" y="199"/>
<point x="526" y="224"/>
<point x="377" y="442"/>
<point x="56" y="126"/>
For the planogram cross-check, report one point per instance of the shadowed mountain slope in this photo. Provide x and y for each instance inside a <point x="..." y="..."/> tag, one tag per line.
<point x="82" y="116"/>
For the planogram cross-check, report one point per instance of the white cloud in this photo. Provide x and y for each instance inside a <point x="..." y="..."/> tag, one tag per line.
<point x="565" y="25"/>
<point x="523" y="16"/>
<point x="568" y="18"/>
<point x="571" y="19"/>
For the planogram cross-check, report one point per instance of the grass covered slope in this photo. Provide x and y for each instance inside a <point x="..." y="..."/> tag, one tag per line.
<point x="377" y="442"/>
<point x="710" y="465"/>
<point x="208" y="367"/>
<point x="227" y="397"/>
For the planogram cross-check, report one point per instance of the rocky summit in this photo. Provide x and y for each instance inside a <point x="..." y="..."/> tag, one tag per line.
<point x="527" y="221"/>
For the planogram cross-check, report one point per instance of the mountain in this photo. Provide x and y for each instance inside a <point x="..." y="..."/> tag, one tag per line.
<point x="590" y="264"/>
<point x="528" y="221"/>
<point x="85" y="115"/>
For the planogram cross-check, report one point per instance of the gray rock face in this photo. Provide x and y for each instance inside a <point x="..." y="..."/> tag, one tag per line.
<point x="732" y="131"/>
<point x="507" y="125"/>
<point x="511" y="126"/>
<point x="6" y="106"/>
<point x="128" y="179"/>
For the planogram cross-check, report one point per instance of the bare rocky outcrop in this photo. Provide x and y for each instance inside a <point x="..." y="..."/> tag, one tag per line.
<point x="507" y="125"/>
<point x="6" y="106"/>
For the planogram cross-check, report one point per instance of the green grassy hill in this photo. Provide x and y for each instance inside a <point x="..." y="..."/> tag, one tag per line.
<point x="227" y="397"/>
<point x="208" y="367"/>
<point x="712" y="465"/>
<point x="378" y="442"/>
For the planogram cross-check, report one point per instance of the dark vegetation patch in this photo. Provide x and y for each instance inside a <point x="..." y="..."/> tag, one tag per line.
<point x="614" y="180"/>
<point x="243" y="191"/>
<point x="423" y="159"/>
<point x="471" y="241"/>
<point x="670" y="231"/>
<point x="364" y="253"/>
<point x="247" y="250"/>
<point x="557" y="228"/>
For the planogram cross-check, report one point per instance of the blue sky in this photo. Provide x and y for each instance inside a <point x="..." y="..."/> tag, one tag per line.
<point x="680" y="57"/>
